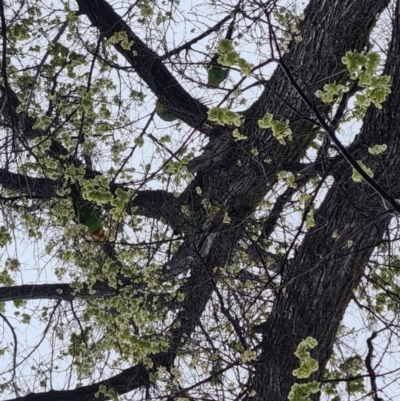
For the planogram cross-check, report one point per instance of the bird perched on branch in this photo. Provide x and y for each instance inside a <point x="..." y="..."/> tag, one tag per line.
<point x="164" y="113"/>
<point x="217" y="73"/>
<point x="86" y="214"/>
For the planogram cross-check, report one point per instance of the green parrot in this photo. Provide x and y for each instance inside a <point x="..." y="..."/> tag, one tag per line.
<point x="163" y="112"/>
<point x="216" y="72"/>
<point x="86" y="214"/>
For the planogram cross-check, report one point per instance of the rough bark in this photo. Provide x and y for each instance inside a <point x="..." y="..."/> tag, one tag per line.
<point x="319" y="284"/>
<point x="313" y="63"/>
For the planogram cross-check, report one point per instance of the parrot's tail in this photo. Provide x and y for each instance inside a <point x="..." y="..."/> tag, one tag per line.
<point x="98" y="235"/>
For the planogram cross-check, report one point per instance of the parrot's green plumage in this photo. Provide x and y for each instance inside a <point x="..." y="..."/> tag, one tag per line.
<point x="216" y="72"/>
<point x="86" y="214"/>
<point x="164" y="113"/>
<point x="216" y="75"/>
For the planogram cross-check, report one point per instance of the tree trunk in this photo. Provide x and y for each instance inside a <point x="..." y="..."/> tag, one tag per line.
<point x="325" y="271"/>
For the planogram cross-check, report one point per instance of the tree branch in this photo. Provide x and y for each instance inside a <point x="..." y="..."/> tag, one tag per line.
<point x="147" y="64"/>
<point x="61" y="291"/>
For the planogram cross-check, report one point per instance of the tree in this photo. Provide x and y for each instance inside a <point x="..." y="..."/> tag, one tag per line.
<point x="236" y="236"/>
